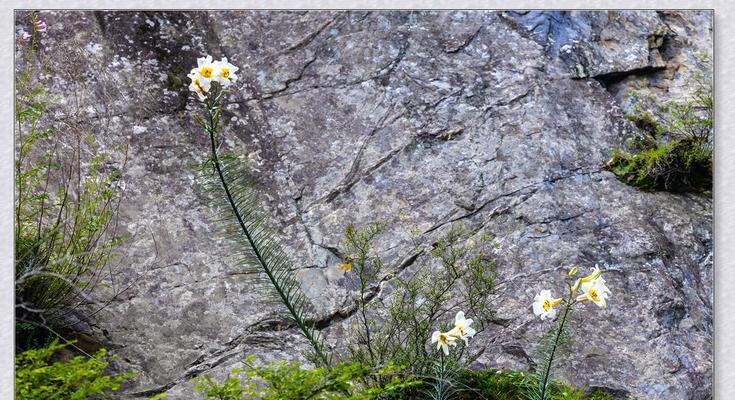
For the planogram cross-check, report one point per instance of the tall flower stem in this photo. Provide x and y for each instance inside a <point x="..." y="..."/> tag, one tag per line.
<point x="212" y="127"/>
<point x="545" y="382"/>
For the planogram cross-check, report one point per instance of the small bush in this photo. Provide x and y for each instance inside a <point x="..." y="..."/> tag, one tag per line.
<point x="67" y="193"/>
<point x="680" y="165"/>
<point x="458" y="273"/>
<point x="514" y="385"/>
<point x="672" y="149"/>
<point x="282" y="380"/>
<point x="38" y="377"/>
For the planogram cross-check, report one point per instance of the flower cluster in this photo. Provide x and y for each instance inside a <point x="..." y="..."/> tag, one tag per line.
<point x="38" y="26"/>
<point x="590" y="288"/>
<point x="208" y="72"/>
<point x="461" y="330"/>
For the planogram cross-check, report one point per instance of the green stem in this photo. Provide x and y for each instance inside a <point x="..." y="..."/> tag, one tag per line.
<point x="302" y="325"/>
<point x="544" y="384"/>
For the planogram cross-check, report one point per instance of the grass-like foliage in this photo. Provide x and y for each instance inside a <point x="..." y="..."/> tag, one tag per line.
<point x="283" y="380"/>
<point x="66" y="200"/>
<point x="38" y="376"/>
<point x="672" y="149"/>
<point x="255" y="248"/>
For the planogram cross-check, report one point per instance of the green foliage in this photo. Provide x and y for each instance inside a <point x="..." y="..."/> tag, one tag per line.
<point x="672" y="149"/>
<point x="66" y="200"/>
<point x="514" y="385"/>
<point x="442" y="384"/>
<point x="38" y="377"/>
<point x="255" y="248"/>
<point x="495" y="385"/>
<point x="282" y="380"/>
<point x="456" y="275"/>
<point x="678" y="165"/>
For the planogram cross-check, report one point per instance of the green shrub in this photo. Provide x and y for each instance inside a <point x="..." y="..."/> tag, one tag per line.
<point x="66" y="200"/>
<point x="282" y="380"/>
<point x="672" y="149"/>
<point x="457" y="274"/>
<point x="37" y="377"/>
<point x="514" y="385"/>
<point x="680" y="165"/>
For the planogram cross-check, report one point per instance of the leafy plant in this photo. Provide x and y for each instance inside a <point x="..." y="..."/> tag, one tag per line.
<point x="592" y="288"/>
<point x="283" y="380"/>
<point x="453" y="276"/>
<point x="66" y="200"/>
<point x="257" y="248"/>
<point x="672" y="149"/>
<point x="515" y="385"/>
<point x="37" y="376"/>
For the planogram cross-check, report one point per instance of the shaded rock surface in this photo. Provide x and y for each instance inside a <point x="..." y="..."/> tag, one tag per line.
<point x="344" y="116"/>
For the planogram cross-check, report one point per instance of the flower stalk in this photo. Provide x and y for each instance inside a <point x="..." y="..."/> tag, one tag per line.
<point x="593" y="288"/>
<point x="209" y="82"/>
<point x="557" y="338"/>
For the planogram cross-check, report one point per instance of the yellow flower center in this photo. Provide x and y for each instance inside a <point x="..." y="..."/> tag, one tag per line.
<point x="547" y="305"/>
<point x="206" y="71"/>
<point x="593" y="295"/>
<point x="443" y="338"/>
<point x="461" y="329"/>
<point x="224" y="72"/>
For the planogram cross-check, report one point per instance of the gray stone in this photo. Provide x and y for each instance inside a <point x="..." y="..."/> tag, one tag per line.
<point x="430" y="117"/>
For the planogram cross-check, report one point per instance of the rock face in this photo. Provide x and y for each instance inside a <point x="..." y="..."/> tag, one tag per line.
<point x="345" y="118"/>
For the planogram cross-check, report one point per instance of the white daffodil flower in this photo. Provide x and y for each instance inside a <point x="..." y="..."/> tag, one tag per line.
<point x="199" y="85"/>
<point x="205" y="68"/>
<point x="595" y="291"/>
<point x="225" y="72"/>
<point x="443" y="340"/>
<point x="462" y="328"/>
<point x="544" y="305"/>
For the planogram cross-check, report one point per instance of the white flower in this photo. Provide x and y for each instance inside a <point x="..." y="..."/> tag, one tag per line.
<point x="462" y="328"/>
<point x="205" y="68"/>
<point x="443" y="340"/>
<point x="594" y="275"/>
<point x="224" y="72"/>
<point x="544" y="305"/>
<point x="199" y="85"/>
<point x="595" y="291"/>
